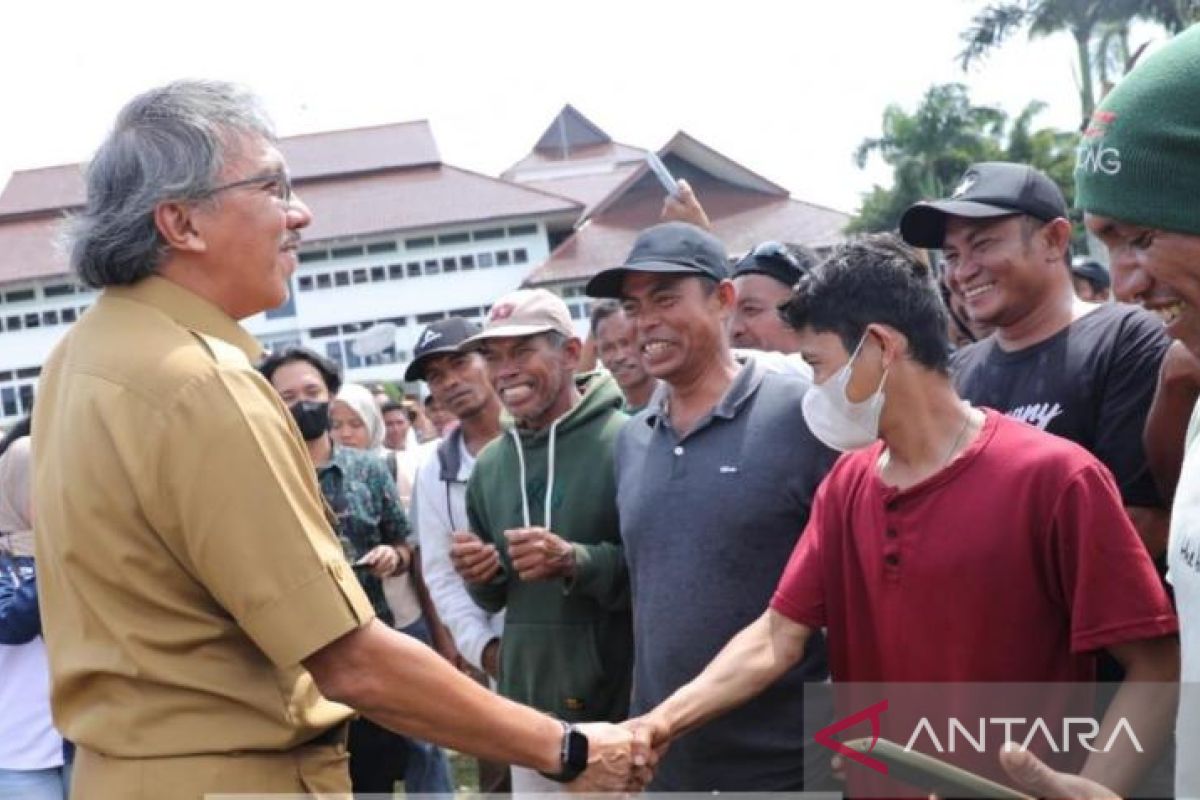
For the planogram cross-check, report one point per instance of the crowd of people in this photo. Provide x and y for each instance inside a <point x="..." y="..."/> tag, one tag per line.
<point x="943" y="455"/>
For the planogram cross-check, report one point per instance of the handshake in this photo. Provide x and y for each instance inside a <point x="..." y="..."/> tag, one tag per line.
<point x="621" y="758"/>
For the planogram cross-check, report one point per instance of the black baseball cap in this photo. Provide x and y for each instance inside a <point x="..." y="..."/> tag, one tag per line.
<point x="785" y="263"/>
<point x="438" y="338"/>
<point x="1094" y="271"/>
<point x="672" y="247"/>
<point x="990" y="189"/>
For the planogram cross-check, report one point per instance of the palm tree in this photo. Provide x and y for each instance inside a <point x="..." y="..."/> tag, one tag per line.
<point x="929" y="149"/>
<point x="1097" y="26"/>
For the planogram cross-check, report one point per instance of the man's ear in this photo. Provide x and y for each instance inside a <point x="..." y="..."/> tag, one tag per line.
<point x="572" y="350"/>
<point x="176" y="224"/>
<point x="892" y="343"/>
<point x="726" y="296"/>
<point x="1057" y="235"/>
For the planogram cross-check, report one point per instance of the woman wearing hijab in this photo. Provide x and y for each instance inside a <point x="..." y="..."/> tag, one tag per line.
<point x="34" y="759"/>
<point x="355" y="421"/>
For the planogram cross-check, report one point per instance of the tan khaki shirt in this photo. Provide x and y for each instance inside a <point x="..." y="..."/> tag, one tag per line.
<point x="185" y="562"/>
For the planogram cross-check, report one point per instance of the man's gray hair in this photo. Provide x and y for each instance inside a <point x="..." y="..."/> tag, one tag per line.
<point x="168" y="144"/>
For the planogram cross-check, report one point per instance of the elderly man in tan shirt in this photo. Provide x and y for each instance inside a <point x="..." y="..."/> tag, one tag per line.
<point x="200" y="617"/>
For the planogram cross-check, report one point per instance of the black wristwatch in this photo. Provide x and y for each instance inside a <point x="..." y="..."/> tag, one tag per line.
<point x="573" y="757"/>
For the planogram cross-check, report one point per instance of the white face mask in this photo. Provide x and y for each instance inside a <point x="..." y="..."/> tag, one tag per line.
<point x="834" y="419"/>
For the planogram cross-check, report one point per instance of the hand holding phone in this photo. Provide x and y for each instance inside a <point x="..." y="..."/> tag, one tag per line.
<point x="660" y="171"/>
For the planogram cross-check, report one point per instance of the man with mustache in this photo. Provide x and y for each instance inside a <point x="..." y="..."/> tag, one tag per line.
<point x="200" y="614"/>
<point x="715" y="480"/>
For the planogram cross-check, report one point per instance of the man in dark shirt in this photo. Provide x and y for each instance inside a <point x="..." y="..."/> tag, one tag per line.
<point x="714" y="484"/>
<point x="1082" y="371"/>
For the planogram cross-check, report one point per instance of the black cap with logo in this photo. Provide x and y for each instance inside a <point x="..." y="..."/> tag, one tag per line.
<point x="438" y="338"/>
<point x="672" y="247"/>
<point x="990" y="189"/>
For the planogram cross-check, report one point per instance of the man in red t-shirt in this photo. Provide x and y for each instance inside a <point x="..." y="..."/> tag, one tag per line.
<point x="949" y="544"/>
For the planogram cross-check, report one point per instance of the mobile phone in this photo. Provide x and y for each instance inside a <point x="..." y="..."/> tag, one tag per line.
<point x="933" y="774"/>
<point x="660" y="171"/>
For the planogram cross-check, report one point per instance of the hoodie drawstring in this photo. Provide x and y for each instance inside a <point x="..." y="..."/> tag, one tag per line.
<point x="549" y="477"/>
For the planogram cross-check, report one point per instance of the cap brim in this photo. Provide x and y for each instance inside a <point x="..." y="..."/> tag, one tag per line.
<point x="505" y="331"/>
<point x="416" y="367"/>
<point x="607" y="283"/>
<point x="924" y="224"/>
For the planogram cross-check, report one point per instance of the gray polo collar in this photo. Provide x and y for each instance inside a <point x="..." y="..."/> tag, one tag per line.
<point x="744" y="385"/>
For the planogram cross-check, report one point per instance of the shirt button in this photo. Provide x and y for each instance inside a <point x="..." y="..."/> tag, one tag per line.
<point x="678" y="451"/>
<point x="891" y="559"/>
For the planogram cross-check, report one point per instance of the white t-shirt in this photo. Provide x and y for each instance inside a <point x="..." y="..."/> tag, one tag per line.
<point x="1183" y="572"/>
<point x="28" y="739"/>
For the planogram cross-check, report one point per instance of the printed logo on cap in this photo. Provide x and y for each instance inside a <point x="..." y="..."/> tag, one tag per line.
<point x="1092" y="155"/>
<point x="501" y="312"/>
<point x="964" y="186"/>
<point x="428" y="337"/>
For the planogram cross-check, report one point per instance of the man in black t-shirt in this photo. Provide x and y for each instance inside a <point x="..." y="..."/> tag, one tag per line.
<point x="1082" y="371"/>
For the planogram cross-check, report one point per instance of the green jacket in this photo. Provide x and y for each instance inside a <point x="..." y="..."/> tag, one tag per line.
<point x="568" y="645"/>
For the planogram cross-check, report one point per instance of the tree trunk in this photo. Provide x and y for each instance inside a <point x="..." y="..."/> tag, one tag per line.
<point x="1087" y="95"/>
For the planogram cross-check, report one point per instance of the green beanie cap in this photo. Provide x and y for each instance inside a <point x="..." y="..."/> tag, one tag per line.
<point x="1139" y="159"/>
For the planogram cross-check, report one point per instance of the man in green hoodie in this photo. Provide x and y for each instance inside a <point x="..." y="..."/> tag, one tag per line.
<point x="545" y="541"/>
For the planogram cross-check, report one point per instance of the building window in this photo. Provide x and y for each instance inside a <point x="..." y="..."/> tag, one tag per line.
<point x="522" y="230"/>
<point x="25" y="395"/>
<point x="322" y="333"/>
<point x="502" y="258"/>
<point x="485" y="260"/>
<point x="465" y="313"/>
<point x="449" y="265"/>
<point x="419" y="243"/>
<point x="306" y="283"/>
<point x="347" y="252"/>
<point x="454" y="238"/>
<point x="314" y="255"/>
<point x="467" y="262"/>
<point x="396" y="271"/>
<point x="33" y="320"/>
<point x="378" y="274"/>
<point x="434" y="316"/>
<point x="414" y="269"/>
<point x="59" y="290"/>
<point x="29" y="372"/>
<point x="431" y="267"/>
<point x="520" y="255"/>
<point x="324" y="281"/>
<point x="381" y="247"/>
<point x="334" y="351"/>
<point x="19" y="296"/>
<point x="50" y="317"/>
<point x="8" y="397"/>
<point x="341" y="279"/>
<point x="486" y="235"/>
<point x="68" y="316"/>
<point x="360" y="276"/>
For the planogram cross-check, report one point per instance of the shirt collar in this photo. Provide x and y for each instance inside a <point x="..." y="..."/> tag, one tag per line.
<point x="190" y="310"/>
<point x="745" y="384"/>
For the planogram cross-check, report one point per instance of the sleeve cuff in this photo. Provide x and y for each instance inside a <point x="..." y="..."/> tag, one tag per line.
<point x="310" y="616"/>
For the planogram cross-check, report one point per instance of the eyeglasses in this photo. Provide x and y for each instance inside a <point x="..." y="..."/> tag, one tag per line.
<point x="277" y="182"/>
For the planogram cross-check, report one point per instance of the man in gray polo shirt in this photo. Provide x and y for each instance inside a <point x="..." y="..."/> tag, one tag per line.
<point x="714" y="483"/>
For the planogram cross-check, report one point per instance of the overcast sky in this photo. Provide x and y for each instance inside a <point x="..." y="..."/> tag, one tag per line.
<point x="787" y="87"/>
